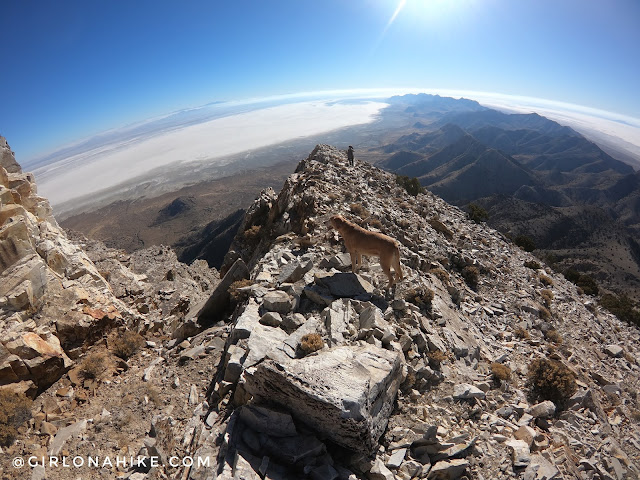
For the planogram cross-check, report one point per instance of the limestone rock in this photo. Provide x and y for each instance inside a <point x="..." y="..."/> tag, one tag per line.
<point x="278" y="301"/>
<point x="346" y="393"/>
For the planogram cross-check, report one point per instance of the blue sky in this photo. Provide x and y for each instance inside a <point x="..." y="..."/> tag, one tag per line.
<point x="74" y="68"/>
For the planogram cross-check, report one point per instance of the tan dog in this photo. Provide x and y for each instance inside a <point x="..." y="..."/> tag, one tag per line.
<point x="363" y="242"/>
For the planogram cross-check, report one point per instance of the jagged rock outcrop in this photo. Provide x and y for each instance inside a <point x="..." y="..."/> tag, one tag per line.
<point x="54" y="300"/>
<point x="49" y="289"/>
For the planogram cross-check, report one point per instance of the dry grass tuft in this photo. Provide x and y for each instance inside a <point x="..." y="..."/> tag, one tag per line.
<point x="521" y="333"/>
<point x="127" y="345"/>
<point x="546" y="281"/>
<point x="501" y="373"/>
<point x="551" y="380"/>
<point x="95" y="365"/>
<point x="236" y="294"/>
<point x="311" y="342"/>
<point x="421" y="296"/>
<point x="553" y="336"/>
<point x="471" y="275"/>
<point x="15" y="410"/>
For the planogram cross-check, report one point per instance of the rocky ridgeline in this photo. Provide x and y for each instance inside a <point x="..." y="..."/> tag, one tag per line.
<point x="291" y="367"/>
<point x="55" y="301"/>
<point x="405" y="385"/>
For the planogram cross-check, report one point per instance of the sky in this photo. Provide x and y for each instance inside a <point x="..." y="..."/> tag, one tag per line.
<point x="72" y="69"/>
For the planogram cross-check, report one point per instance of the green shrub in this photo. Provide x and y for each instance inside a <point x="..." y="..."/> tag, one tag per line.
<point x="622" y="307"/>
<point x="15" y="410"/>
<point x="585" y="282"/>
<point x="525" y="242"/>
<point x="477" y="213"/>
<point x="551" y="380"/>
<point x="411" y="185"/>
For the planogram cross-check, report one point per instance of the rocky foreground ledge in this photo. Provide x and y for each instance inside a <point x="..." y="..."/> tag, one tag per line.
<point x="408" y="384"/>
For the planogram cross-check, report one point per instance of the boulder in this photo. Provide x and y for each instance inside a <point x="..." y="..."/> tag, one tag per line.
<point x="544" y="409"/>
<point x="218" y="302"/>
<point x="344" y="284"/>
<point x="278" y="301"/>
<point x="464" y="391"/>
<point x="345" y="393"/>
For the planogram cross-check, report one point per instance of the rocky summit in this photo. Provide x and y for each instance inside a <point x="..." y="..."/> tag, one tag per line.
<point x="481" y="363"/>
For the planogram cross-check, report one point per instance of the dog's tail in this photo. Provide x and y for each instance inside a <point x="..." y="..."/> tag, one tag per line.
<point x="396" y="263"/>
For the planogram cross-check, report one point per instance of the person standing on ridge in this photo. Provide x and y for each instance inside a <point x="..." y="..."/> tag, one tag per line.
<point x="350" y="155"/>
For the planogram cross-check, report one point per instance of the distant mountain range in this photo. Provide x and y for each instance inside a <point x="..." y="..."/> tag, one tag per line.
<point x="534" y="176"/>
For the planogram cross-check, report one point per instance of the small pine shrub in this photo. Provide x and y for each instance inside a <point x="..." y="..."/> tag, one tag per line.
<point x="421" y="296"/>
<point x="551" y="380"/>
<point x="622" y="307"/>
<point x="311" y="342"/>
<point x="15" y="410"/>
<point x="583" y="281"/>
<point x="411" y="185"/>
<point x="501" y="373"/>
<point x="94" y="365"/>
<point x="476" y="213"/>
<point x="471" y="275"/>
<point x="127" y="345"/>
<point x="236" y="294"/>
<point x="532" y="264"/>
<point x="525" y="242"/>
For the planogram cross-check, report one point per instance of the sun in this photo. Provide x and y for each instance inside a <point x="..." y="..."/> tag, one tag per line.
<point x="429" y="9"/>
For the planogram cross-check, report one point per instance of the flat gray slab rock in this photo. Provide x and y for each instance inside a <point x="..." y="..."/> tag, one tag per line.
<point x="345" y="393"/>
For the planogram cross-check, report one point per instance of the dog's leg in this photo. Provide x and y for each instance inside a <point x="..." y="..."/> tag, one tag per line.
<point x="354" y="265"/>
<point x="359" y="260"/>
<point x="397" y="267"/>
<point x="385" y="263"/>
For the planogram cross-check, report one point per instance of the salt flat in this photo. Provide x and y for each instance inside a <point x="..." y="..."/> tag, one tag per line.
<point x="92" y="171"/>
